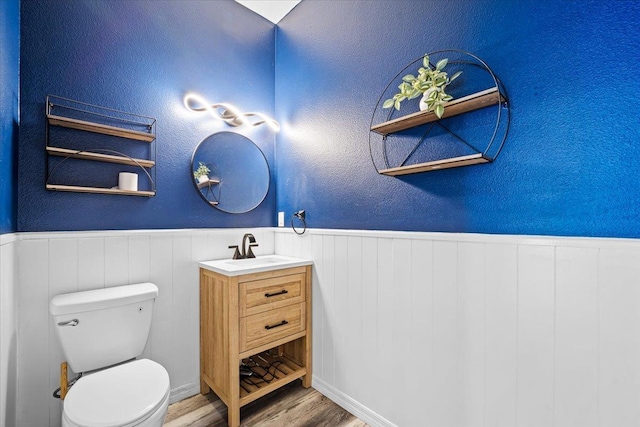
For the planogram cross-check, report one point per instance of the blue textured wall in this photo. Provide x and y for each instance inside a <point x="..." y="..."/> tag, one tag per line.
<point x="568" y="167"/>
<point x="571" y="162"/>
<point x="141" y="57"/>
<point x="9" y="89"/>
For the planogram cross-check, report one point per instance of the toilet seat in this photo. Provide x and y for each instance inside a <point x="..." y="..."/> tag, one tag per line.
<point x="122" y="396"/>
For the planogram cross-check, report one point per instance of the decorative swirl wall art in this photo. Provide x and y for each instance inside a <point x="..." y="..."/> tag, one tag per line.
<point x="228" y="113"/>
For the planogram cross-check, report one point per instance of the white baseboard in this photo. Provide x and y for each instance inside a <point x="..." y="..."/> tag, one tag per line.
<point x="184" y="391"/>
<point x="356" y="408"/>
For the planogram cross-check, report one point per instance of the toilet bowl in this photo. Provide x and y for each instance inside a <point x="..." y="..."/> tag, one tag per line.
<point x="131" y="394"/>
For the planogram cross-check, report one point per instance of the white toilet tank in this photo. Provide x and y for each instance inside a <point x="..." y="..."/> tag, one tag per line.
<point x="103" y="327"/>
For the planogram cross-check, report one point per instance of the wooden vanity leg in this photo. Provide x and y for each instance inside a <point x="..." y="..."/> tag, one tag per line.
<point x="204" y="388"/>
<point x="234" y="415"/>
<point x="233" y="409"/>
<point x="205" y="330"/>
<point x="306" y="350"/>
<point x="233" y="354"/>
<point x="306" y="381"/>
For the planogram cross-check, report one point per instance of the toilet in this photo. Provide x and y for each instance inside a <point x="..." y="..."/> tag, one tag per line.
<point x="101" y="333"/>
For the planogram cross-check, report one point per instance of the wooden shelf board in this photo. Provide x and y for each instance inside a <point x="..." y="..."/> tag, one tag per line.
<point x="285" y="373"/>
<point x="98" y="190"/>
<point x="109" y="158"/>
<point x="472" y="102"/>
<point x="99" y="128"/>
<point x="208" y="183"/>
<point x="454" y="162"/>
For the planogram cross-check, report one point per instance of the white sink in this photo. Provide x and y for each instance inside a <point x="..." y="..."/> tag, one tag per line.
<point x="237" y="267"/>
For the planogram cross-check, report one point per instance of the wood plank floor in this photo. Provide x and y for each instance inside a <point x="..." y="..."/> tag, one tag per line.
<point x="289" y="406"/>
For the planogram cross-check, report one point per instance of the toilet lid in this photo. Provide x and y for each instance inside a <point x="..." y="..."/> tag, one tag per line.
<point x="118" y="396"/>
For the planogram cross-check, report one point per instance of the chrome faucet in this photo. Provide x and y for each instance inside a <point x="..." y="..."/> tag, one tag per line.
<point x="246" y="252"/>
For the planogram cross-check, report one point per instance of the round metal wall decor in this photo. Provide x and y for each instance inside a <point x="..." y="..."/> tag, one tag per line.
<point x="472" y="129"/>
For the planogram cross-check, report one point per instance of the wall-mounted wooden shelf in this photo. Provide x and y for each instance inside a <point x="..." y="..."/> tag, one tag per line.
<point x="99" y="128"/>
<point x="475" y="101"/>
<point x="454" y="162"/>
<point x="109" y="158"/>
<point x="208" y="183"/>
<point x="99" y="190"/>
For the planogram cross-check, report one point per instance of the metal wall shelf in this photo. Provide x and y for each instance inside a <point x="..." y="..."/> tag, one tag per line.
<point x="385" y="151"/>
<point x="94" y="119"/>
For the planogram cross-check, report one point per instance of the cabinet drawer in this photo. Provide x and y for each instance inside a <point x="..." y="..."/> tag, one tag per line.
<point x="263" y="328"/>
<point x="262" y="295"/>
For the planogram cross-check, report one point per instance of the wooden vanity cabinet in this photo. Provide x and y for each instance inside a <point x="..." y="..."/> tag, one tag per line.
<point x="265" y="317"/>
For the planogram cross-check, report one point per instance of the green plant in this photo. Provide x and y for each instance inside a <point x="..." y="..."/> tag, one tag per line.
<point x="201" y="171"/>
<point x="430" y="82"/>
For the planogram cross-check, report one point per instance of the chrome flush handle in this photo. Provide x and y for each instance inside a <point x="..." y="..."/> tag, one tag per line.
<point x="72" y="322"/>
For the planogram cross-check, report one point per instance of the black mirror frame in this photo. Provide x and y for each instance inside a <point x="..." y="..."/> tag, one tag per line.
<point x="195" y="182"/>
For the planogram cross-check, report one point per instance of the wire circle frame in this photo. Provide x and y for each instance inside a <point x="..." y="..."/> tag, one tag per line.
<point x="503" y="114"/>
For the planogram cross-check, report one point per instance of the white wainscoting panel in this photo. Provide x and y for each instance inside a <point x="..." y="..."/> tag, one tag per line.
<point x="465" y="330"/>
<point x="471" y="331"/>
<point x="419" y="392"/>
<point x="34" y="366"/>
<point x="410" y="329"/>
<point x="8" y="331"/>
<point x="576" y="332"/>
<point x="618" y="337"/>
<point x="49" y="264"/>
<point x="353" y="333"/>
<point x="501" y="323"/>
<point x="535" y="335"/>
<point x="369" y="382"/>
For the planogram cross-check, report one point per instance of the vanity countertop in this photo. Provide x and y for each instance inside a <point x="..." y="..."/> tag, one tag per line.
<point x="259" y="264"/>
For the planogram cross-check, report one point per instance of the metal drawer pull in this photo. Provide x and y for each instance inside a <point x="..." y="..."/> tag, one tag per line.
<point x="72" y="322"/>
<point x="282" y="292"/>
<point x="284" y="322"/>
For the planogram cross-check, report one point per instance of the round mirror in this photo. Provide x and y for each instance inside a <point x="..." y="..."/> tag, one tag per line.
<point x="230" y="172"/>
